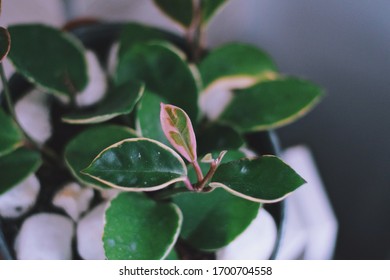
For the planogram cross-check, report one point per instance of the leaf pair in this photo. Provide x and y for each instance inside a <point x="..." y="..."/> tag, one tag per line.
<point x="140" y="228"/>
<point x="241" y="78"/>
<point x="142" y="164"/>
<point x="182" y="11"/>
<point x="211" y="220"/>
<point x="207" y="221"/>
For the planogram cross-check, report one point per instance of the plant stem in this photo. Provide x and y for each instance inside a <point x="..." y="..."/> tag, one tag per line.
<point x="198" y="171"/>
<point x="195" y="32"/>
<point x="201" y="184"/>
<point x="188" y="184"/>
<point x="7" y="94"/>
<point x="213" y="168"/>
<point x="49" y="153"/>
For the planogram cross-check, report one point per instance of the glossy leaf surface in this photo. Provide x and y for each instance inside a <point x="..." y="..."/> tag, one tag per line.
<point x="58" y="66"/>
<point x="271" y="104"/>
<point x="119" y="101"/>
<point x="17" y="166"/>
<point x="180" y="11"/>
<point x="139" y="228"/>
<point x="10" y="136"/>
<point x="135" y="33"/>
<point x="82" y="149"/>
<point x="236" y="60"/>
<point x="266" y="179"/>
<point x="177" y="128"/>
<point x="5" y="42"/>
<point x="172" y="255"/>
<point x="138" y="164"/>
<point x="212" y="220"/>
<point x="218" y="138"/>
<point x="164" y="71"/>
<point x="148" y="117"/>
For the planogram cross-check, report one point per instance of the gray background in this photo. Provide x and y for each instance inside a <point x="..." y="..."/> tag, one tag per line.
<point x="345" y="47"/>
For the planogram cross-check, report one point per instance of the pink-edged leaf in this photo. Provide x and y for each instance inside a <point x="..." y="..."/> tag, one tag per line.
<point x="178" y="129"/>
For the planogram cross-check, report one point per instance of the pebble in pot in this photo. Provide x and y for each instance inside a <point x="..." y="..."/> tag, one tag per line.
<point x="89" y="234"/>
<point x="97" y="85"/>
<point x="255" y="243"/>
<point x="18" y="200"/>
<point x="45" y="236"/>
<point x="74" y="199"/>
<point x="33" y="115"/>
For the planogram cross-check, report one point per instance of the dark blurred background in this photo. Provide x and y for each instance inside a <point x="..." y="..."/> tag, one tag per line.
<point x="343" y="46"/>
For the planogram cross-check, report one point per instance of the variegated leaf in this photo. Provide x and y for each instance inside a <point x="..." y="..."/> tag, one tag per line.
<point x="178" y="129"/>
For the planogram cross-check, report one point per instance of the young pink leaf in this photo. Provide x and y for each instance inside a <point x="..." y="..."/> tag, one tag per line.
<point x="178" y="129"/>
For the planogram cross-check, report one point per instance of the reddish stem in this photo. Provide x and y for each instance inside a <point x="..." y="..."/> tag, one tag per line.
<point x="188" y="184"/>
<point x="198" y="171"/>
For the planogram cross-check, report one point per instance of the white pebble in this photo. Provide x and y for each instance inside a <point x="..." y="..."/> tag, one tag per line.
<point x="90" y="232"/>
<point x="248" y="153"/>
<point x="216" y="97"/>
<point x="97" y="84"/>
<point x="74" y="199"/>
<point x="255" y="243"/>
<point x="112" y="61"/>
<point x="109" y="194"/>
<point x="18" y="200"/>
<point x="45" y="237"/>
<point x="33" y="115"/>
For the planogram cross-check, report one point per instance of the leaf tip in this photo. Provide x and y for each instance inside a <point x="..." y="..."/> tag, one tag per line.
<point x="86" y="171"/>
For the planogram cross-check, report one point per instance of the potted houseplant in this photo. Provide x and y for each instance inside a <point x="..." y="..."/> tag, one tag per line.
<point x="181" y="133"/>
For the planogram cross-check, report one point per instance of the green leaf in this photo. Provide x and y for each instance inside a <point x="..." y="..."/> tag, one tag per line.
<point x="210" y="8"/>
<point x="17" y="166"/>
<point x="135" y="33"/>
<point x="82" y="149"/>
<point x="164" y="71"/>
<point x="172" y="256"/>
<point x="180" y="11"/>
<point x="213" y="220"/>
<point x="120" y="101"/>
<point x="271" y="104"/>
<point x="11" y="137"/>
<point x="218" y="138"/>
<point x="177" y="127"/>
<point x="266" y="179"/>
<point x="236" y="61"/>
<point x="5" y="42"/>
<point x="138" y="164"/>
<point x="139" y="228"/>
<point x="148" y="117"/>
<point x="49" y="58"/>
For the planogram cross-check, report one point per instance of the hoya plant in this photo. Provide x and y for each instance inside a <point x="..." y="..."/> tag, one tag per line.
<point x="169" y="133"/>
